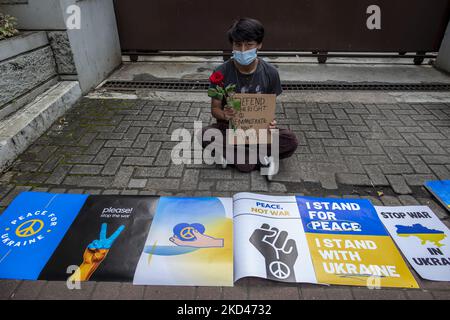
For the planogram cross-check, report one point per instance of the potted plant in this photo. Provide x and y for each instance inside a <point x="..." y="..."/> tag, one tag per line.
<point x="7" y="26"/>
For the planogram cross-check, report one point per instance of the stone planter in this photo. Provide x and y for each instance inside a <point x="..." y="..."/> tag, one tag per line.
<point x="31" y="95"/>
<point x="28" y="68"/>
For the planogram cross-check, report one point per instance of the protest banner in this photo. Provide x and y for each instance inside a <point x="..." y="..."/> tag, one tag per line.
<point x="31" y="229"/>
<point x="350" y="246"/>
<point x="422" y="237"/>
<point x="441" y="190"/>
<point x="154" y="240"/>
<point x="190" y="243"/>
<point x="105" y="240"/>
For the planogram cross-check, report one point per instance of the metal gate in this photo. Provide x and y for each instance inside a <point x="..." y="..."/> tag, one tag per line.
<point x="291" y="25"/>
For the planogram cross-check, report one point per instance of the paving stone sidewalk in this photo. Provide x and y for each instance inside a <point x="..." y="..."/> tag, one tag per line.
<point x="106" y="146"/>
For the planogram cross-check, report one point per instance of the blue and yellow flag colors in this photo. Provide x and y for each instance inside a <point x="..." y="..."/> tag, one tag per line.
<point x="31" y="229"/>
<point x="423" y="233"/>
<point x="349" y="244"/>
<point x="192" y="240"/>
<point x="423" y="239"/>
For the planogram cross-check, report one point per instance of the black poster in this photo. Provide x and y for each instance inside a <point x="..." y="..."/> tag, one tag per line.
<point x="105" y="241"/>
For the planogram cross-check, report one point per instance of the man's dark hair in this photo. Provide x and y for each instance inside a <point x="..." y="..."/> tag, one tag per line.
<point x="246" y="29"/>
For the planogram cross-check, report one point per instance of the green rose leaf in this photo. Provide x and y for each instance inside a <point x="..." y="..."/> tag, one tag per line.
<point x="236" y="104"/>
<point x="221" y="90"/>
<point x="230" y="88"/>
<point x="212" y="92"/>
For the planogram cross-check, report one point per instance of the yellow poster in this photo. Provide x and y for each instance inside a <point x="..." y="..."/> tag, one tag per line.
<point x="350" y="246"/>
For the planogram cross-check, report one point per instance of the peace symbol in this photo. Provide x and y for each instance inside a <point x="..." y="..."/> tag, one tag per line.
<point x="29" y="228"/>
<point x="187" y="233"/>
<point x="279" y="270"/>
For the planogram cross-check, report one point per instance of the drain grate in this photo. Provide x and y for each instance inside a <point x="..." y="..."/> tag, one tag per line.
<point x="367" y="86"/>
<point x="157" y="85"/>
<point x="287" y="86"/>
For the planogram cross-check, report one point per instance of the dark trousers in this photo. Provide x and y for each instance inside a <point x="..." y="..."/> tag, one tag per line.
<point x="287" y="145"/>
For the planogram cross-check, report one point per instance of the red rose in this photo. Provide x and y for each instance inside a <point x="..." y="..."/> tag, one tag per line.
<point x="217" y="78"/>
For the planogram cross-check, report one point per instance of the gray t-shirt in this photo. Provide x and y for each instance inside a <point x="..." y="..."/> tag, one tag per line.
<point x="265" y="79"/>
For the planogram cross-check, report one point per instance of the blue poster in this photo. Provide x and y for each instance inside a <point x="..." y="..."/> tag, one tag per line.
<point x="340" y="216"/>
<point x="31" y="228"/>
<point x="441" y="190"/>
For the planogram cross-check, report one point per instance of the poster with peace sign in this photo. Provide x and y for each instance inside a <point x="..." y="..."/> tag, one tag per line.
<point x="152" y="240"/>
<point x="31" y="229"/>
<point x="105" y="240"/>
<point x="190" y="243"/>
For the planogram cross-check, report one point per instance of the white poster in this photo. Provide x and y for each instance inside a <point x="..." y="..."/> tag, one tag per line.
<point x="269" y="239"/>
<point x="422" y="238"/>
<point x="190" y="243"/>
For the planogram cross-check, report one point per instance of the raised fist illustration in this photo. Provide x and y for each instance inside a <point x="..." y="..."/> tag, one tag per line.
<point x="280" y="253"/>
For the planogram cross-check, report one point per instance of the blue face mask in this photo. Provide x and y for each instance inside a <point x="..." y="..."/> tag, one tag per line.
<point x="244" y="58"/>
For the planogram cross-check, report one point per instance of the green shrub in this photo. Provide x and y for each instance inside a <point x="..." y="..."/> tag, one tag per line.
<point x="7" y="26"/>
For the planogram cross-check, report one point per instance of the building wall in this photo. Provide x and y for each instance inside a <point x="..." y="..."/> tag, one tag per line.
<point x="96" y="46"/>
<point x="443" y="59"/>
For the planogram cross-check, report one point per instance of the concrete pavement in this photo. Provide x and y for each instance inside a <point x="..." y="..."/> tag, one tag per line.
<point x="347" y="149"/>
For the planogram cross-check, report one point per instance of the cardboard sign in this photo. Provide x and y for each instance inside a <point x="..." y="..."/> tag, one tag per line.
<point x="257" y="112"/>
